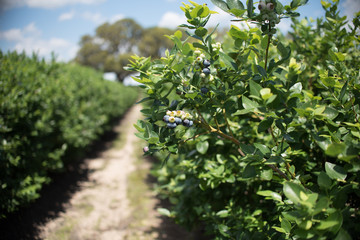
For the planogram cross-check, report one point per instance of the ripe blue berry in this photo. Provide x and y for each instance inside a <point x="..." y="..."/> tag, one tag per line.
<point x="206" y="71"/>
<point x="204" y="90"/>
<point x="186" y="122"/>
<point x="191" y="123"/>
<point x="166" y="118"/>
<point x="171" y="125"/>
<point x="206" y="63"/>
<point x="178" y="120"/>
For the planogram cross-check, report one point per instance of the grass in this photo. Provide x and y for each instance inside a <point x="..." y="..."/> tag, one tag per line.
<point x="139" y="195"/>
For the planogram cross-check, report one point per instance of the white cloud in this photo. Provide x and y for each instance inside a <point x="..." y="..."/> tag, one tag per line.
<point x="29" y="40"/>
<point x="11" y="35"/>
<point x="351" y="7"/>
<point x="94" y="17"/>
<point x="67" y="16"/>
<point x="116" y="18"/>
<point x="171" y="20"/>
<point x="44" y="3"/>
<point x="285" y="25"/>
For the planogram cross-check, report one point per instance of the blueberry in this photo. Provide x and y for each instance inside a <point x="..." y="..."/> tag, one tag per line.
<point x="206" y="63"/>
<point x="206" y="71"/>
<point x="191" y="123"/>
<point x="178" y="120"/>
<point x="204" y="90"/>
<point x="171" y="125"/>
<point x="186" y="122"/>
<point x="166" y="118"/>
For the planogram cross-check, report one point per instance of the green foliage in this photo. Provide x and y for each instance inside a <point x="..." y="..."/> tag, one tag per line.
<point x="48" y="110"/>
<point x="274" y="150"/>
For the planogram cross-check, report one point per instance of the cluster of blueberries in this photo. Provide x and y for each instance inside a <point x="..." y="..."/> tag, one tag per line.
<point x="174" y="118"/>
<point x="205" y="72"/>
<point x="268" y="16"/>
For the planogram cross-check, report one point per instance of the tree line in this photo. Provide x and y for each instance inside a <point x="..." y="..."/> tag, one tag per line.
<point x="113" y="44"/>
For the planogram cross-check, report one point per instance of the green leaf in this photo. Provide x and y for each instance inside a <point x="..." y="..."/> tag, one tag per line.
<point x="333" y="222"/>
<point x="334" y="171"/>
<point x="221" y="4"/>
<point x="229" y="62"/>
<point x="325" y="4"/>
<point x="247" y="148"/>
<point x="222" y="213"/>
<point x="265" y="125"/>
<point x="279" y="7"/>
<point x="343" y="90"/>
<point x="261" y="70"/>
<point x="201" y="32"/>
<point x="332" y="55"/>
<point x="266" y="93"/>
<point x="254" y="88"/>
<point x="235" y="4"/>
<point x="282" y="50"/>
<point x="331" y="113"/>
<point x="274" y="160"/>
<point x="286" y="225"/>
<point x="324" y="180"/>
<point x="294" y="192"/>
<point x="164" y="211"/>
<point x="267" y="174"/>
<point x="296" y="88"/>
<point x="249" y="171"/>
<point x="343" y="235"/>
<point x="198" y="45"/>
<point x="248" y="104"/>
<point x="242" y="112"/>
<point x="335" y="149"/>
<point x="279" y="229"/>
<point x="202" y="147"/>
<point x="236" y="32"/>
<point x="263" y="149"/>
<point x="237" y="12"/>
<point x="273" y="195"/>
<point x="142" y="80"/>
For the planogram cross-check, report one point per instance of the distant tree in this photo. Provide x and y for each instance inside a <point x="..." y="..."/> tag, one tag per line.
<point x="113" y="44"/>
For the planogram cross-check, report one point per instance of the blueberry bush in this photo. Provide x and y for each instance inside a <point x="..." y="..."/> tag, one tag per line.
<point x="273" y="152"/>
<point x="49" y="112"/>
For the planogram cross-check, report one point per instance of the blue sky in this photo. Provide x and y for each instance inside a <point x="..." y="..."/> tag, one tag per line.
<point x="46" y="26"/>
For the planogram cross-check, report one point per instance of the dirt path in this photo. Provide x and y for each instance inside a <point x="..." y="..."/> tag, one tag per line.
<point x="101" y="209"/>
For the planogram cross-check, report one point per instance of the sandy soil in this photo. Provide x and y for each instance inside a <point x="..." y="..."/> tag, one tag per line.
<point x="101" y="209"/>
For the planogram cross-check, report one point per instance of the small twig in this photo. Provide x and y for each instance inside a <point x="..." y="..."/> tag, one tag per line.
<point x="227" y="123"/>
<point x="193" y="138"/>
<point x="270" y="130"/>
<point x="217" y="124"/>
<point x="267" y="50"/>
<point x="276" y="169"/>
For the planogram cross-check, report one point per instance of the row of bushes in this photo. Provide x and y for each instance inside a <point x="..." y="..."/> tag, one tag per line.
<point x="274" y="152"/>
<point x="48" y="110"/>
